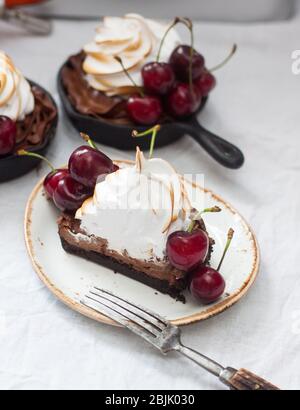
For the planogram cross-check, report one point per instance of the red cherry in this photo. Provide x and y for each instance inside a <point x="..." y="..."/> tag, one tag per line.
<point x="206" y="83"/>
<point x="187" y="250"/>
<point x="182" y="102"/>
<point x="87" y="164"/>
<point x="8" y="132"/>
<point x="52" y="179"/>
<point x="207" y="284"/>
<point x="70" y="194"/>
<point x="158" y="78"/>
<point x="180" y="60"/>
<point x="144" y="110"/>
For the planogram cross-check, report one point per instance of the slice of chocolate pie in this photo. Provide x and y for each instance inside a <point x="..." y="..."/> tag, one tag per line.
<point x="126" y="224"/>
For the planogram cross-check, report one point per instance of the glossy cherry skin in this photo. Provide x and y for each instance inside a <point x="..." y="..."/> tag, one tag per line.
<point x="69" y="194"/>
<point x="8" y="132"/>
<point x="206" y="83"/>
<point x="87" y="164"/>
<point x="144" y="110"/>
<point x="180" y="61"/>
<point x="187" y="250"/>
<point x="207" y="284"/>
<point x="52" y="179"/>
<point x="182" y="102"/>
<point x="158" y="78"/>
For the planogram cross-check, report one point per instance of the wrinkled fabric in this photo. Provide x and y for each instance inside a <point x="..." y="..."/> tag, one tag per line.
<point x="45" y="345"/>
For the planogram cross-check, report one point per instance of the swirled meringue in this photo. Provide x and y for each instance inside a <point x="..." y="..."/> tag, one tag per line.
<point x="137" y="207"/>
<point x="135" y="40"/>
<point x="16" y="97"/>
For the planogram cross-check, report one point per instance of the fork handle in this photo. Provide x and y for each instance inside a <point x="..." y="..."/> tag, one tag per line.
<point x="235" y="379"/>
<point x="244" y="380"/>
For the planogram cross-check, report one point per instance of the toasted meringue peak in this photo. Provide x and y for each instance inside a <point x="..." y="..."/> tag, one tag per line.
<point x="139" y="159"/>
<point x="146" y="201"/>
<point x="16" y="98"/>
<point x="135" y="40"/>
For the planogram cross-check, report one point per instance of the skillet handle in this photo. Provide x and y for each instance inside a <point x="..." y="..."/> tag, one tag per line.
<point x="221" y="150"/>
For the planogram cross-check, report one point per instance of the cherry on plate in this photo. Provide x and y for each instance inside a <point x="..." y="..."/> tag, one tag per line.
<point x="115" y="168"/>
<point x="187" y="250"/>
<point x="52" y="179"/>
<point x="207" y="284"/>
<point x="69" y="194"/>
<point x="87" y="165"/>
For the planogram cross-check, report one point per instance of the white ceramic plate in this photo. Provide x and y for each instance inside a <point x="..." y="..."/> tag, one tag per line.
<point x="70" y="277"/>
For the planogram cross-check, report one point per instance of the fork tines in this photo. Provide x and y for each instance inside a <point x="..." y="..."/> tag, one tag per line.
<point x="141" y="321"/>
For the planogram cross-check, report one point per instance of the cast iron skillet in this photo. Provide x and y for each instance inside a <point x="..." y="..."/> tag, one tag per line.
<point x="119" y="136"/>
<point x="14" y="166"/>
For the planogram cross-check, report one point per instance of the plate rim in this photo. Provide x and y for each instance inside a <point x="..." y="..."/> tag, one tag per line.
<point x="186" y="320"/>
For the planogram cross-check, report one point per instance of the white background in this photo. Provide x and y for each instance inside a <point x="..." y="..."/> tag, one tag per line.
<point x="43" y="344"/>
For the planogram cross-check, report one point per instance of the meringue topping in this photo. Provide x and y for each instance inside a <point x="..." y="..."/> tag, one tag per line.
<point x="136" y="208"/>
<point x="16" y="97"/>
<point x="135" y="40"/>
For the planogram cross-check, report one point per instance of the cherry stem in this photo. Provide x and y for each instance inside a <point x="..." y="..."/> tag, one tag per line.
<point x="198" y="216"/>
<point x="22" y="152"/>
<point x="87" y="139"/>
<point x="117" y="58"/>
<point x="154" y="130"/>
<point x="189" y="25"/>
<point x="229" y="239"/>
<point x="225" y="61"/>
<point x="175" y="22"/>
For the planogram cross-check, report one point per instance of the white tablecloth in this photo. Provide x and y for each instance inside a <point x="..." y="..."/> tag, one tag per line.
<point x="44" y="345"/>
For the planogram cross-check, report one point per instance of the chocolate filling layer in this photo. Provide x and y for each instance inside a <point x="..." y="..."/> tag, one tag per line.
<point x="88" y="101"/>
<point x="70" y="229"/>
<point x="32" y="130"/>
<point x="157" y="274"/>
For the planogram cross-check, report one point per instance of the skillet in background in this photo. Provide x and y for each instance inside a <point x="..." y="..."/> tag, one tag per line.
<point x="119" y="136"/>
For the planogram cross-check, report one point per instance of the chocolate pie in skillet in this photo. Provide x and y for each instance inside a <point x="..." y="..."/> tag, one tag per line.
<point x="28" y="120"/>
<point x="116" y="84"/>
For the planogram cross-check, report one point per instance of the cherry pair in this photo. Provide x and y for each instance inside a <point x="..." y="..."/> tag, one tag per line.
<point x="207" y="284"/>
<point x="160" y="78"/>
<point x="164" y="92"/>
<point x="70" y="187"/>
<point x="176" y="87"/>
<point x="173" y="81"/>
<point x="183" y="96"/>
<point x="188" y="251"/>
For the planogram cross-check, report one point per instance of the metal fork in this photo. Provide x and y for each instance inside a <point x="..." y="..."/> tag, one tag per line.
<point x="166" y="337"/>
<point x="26" y="21"/>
